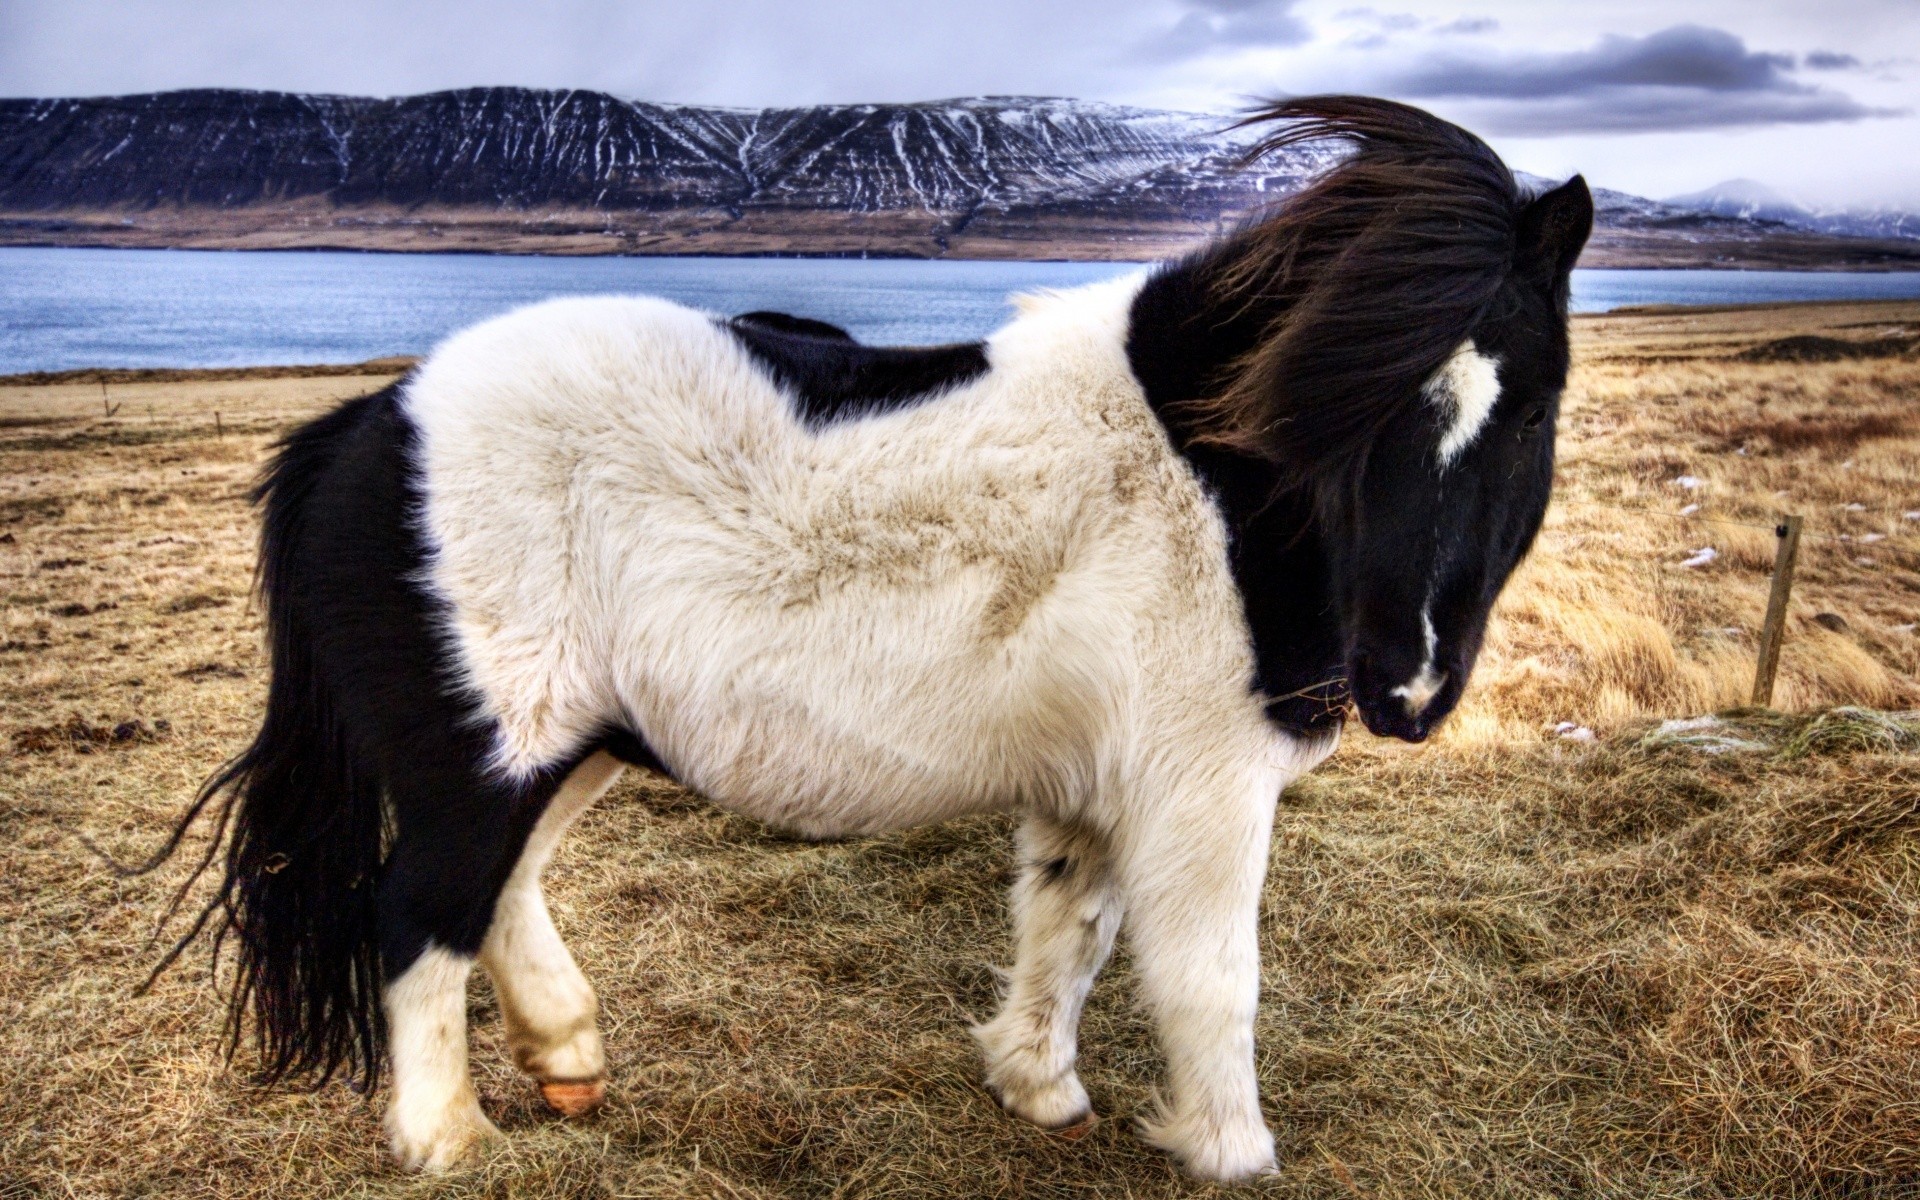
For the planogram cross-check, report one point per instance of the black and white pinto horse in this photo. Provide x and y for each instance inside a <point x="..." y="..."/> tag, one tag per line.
<point x="1120" y="569"/>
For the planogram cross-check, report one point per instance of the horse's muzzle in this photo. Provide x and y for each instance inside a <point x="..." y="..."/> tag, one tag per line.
<point x="1404" y="703"/>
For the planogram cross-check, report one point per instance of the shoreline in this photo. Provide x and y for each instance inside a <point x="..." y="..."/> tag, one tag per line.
<point x="1016" y="236"/>
<point x="106" y="376"/>
<point x="387" y="366"/>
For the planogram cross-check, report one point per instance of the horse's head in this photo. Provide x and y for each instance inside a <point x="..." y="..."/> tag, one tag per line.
<point x="1401" y="350"/>
<point x="1422" y="535"/>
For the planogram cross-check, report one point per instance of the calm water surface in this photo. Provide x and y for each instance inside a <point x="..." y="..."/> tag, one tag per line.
<point x="65" y="308"/>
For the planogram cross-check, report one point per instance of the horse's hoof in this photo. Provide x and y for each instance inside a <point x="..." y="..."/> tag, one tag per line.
<point x="1078" y="1129"/>
<point x="574" y="1097"/>
<point x="460" y="1138"/>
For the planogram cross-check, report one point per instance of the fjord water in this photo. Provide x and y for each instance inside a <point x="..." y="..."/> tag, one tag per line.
<point x="68" y="308"/>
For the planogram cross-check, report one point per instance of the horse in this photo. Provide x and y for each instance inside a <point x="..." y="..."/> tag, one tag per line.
<point x="1123" y="569"/>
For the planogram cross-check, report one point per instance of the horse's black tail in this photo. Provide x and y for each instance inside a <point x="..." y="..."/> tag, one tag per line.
<point x="300" y="816"/>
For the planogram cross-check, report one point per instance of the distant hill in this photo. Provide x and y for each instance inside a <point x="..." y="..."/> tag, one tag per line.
<point x="1748" y="199"/>
<point x="529" y="171"/>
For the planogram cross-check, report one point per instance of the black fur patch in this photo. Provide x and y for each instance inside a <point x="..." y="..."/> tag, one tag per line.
<point x="363" y="826"/>
<point x="780" y="322"/>
<point x="632" y="749"/>
<point x="1176" y="345"/>
<point x="833" y="378"/>
<point x="380" y="655"/>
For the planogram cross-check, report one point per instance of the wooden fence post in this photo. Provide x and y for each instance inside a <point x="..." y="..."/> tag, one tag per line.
<point x="1788" y="531"/>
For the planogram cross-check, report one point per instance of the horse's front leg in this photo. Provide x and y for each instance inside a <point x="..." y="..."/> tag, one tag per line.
<point x="1191" y="868"/>
<point x="1065" y="910"/>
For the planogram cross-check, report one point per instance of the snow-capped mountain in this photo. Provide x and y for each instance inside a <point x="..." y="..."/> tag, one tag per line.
<point x="1751" y="200"/>
<point x="579" y="172"/>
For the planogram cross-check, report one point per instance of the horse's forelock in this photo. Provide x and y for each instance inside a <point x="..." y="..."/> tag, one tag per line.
<point x="1373" y="276"/>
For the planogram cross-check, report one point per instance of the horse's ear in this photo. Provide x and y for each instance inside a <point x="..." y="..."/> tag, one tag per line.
<point x="1553" y="229"/>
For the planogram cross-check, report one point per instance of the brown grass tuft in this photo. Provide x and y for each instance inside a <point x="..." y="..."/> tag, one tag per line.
<point x="1810" y="348"/>
<point x="1809" y="431"/>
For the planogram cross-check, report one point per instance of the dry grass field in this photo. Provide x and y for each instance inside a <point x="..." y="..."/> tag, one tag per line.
<point x="1522" y="961"/>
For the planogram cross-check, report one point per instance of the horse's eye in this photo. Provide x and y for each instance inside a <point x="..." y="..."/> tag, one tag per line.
<point x="1535" y="418"/>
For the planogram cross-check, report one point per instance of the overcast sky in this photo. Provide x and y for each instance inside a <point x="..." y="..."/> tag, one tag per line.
<point x="1657" y="97"/>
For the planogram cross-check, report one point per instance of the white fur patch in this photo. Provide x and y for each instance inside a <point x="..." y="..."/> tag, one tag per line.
<point x="1419" y="691"/>
<point x="886" y="622"/>
<point x="1465" y="389"/>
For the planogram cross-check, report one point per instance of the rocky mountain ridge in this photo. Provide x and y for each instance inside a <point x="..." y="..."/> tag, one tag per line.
<point x="520" y="148"/>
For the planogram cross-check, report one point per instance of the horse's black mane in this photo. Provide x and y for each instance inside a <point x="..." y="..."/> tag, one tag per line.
<point x="1352" y="292"/>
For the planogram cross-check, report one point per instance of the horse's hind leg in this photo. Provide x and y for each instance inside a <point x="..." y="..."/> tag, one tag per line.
<point x="434" y="1120"/>
<point x="457" y="837"/>
<point x="1065" y="910"/>
<point x="547" y="1004"/>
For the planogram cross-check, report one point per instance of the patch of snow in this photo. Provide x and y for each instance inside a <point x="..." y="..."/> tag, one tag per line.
<point x="1688" y="724"/>
<point x="1689" y="510"/>
<point x="1702" y="557"/>
<point x="1574" y="733"/>
<point x="1856" y="506"/>
<point x="1705" y="734"/>
<point x="1689" y="482"/>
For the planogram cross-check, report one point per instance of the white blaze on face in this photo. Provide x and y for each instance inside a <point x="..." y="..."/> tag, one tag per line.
<point x="1419" y="691"/>
<point x="1465" y="390"/>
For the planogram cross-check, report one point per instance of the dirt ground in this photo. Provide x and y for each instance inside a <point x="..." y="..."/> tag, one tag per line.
<point x="1564" y="950"/>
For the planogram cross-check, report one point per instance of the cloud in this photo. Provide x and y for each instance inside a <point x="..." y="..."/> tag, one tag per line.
<point x="742" y="52"/>
<point x="1827" y="60"/>
<point x="1687" y="56"/>
<point x="1213" y="26"/>
<point x="1393" y="22"/>
<point x="1685" y="77"/>
<point x="1664" y="110"/>
<point x="1374" y="29"/>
